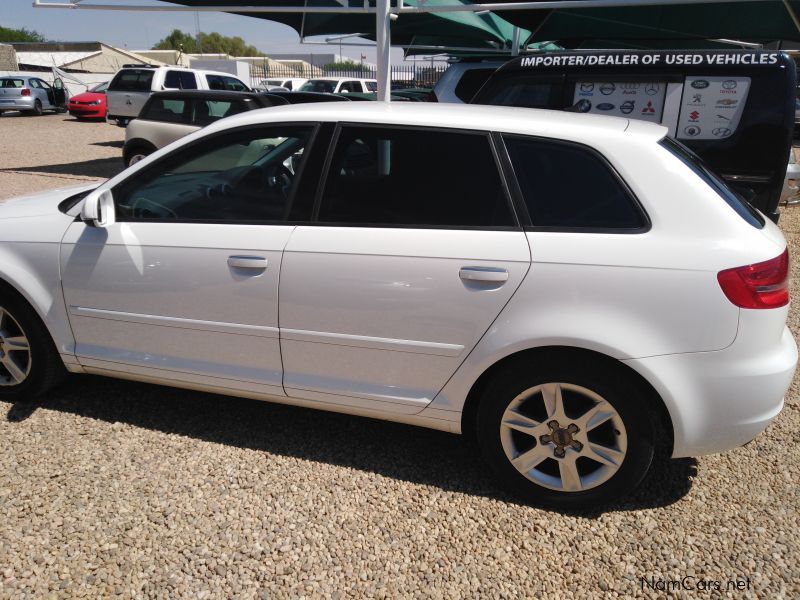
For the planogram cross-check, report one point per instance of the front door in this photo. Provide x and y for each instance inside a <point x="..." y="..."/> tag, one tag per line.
<point x="184" y="286"/>
<point x="414" y="253"/>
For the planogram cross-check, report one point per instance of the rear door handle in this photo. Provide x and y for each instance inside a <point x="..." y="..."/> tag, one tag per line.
<point x="488" y="274"/>
<point x="247" y="262"/>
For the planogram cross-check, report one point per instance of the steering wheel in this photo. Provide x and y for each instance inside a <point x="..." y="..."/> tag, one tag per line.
<point x="279" y="178"/>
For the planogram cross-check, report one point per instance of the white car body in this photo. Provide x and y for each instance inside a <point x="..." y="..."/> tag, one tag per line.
<point x="289" y="83"/>
<point x="339" y="85"/>
<point x="125" y="104"/>
<point x="377" y="321"/>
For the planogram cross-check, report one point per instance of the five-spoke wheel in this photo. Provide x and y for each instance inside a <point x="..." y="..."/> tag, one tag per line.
<point x="15" y="350"/>
<point x="565" y="435"/>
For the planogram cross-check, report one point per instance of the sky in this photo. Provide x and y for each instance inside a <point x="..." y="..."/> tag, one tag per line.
<point x="140" y="30"/>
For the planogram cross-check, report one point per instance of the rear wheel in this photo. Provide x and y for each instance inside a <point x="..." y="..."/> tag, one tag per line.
<point x="37" y="108"/>
<point x="29" y="362"/>
<point x="137" y="152"/>
<point x="564" y="436"/>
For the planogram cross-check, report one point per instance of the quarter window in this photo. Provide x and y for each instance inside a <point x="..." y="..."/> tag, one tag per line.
<point x="568" y="186"/>
<point x="245" y="176"/>
<point x="414" y="177"/>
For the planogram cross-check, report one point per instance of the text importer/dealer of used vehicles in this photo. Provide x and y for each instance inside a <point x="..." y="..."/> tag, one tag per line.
<point x="291" y="254"/>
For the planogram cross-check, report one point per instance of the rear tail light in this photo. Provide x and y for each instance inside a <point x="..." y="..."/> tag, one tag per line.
<point x="762" y="285"/>
<point x="25" y="92"/>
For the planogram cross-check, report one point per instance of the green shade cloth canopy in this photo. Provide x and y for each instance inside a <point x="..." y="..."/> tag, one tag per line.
<point x="451" y="29"/>
<point x="665" y="26"/>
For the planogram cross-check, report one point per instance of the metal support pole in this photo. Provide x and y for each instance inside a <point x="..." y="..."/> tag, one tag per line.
<point x="383" y="39"/>
<point x="515" y="41"/>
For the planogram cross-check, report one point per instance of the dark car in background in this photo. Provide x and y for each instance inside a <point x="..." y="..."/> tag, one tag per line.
<point x="735" y="109"/>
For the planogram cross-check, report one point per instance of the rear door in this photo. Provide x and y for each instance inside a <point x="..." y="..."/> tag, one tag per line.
<point x="164" y="120"/>
<point x="414" y="252"/>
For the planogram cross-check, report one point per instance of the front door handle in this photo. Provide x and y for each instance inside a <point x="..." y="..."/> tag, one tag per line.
<point x="247" y="262"/>
<point x="486" y="274"/>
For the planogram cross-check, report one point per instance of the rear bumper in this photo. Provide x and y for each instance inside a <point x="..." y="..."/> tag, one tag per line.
<point x="721" y="400"/>
<point x="21" y="103"/>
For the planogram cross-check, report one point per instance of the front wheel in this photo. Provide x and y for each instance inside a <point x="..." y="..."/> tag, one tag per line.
<point x="29" y="362"/>
<point x="563" y="436"/>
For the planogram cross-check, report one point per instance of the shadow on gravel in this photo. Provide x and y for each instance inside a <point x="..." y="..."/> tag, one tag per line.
<point x="98" y="167"/>
<point x="111" y="144"/>
<point x="393" y="450"/>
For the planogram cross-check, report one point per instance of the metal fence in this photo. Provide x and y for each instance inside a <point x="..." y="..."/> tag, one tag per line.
<point x="411" y="75"/>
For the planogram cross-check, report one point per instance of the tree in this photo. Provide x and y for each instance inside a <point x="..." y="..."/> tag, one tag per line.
<point x="207" y="43"/>
<point x="178" y="40"/>
<point x="20" y="35"/>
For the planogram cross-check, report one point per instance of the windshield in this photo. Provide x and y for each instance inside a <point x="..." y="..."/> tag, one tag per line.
<point x="318" y="85"/>
<point x="696" y="164"/>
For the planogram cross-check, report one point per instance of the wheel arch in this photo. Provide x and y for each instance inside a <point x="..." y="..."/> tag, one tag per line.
<point x="47" y="307"/>
<point x="560" y="354"/>
<point x="135" y="144"/>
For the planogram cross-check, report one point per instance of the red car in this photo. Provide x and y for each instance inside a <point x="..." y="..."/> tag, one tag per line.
<point x="90" y="104"/>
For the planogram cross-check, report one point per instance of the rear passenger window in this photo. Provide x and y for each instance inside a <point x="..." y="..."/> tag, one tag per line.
<point x="182" y="80"/>
<point x="414" y="178"/>
<point x="208" y="111"/>
<point x="567" y="186"/>
<point x="166" y="110"/>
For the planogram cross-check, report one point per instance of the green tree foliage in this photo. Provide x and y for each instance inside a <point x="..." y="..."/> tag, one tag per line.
<point x="20" y="35"/>
<point x="207" y="43"/>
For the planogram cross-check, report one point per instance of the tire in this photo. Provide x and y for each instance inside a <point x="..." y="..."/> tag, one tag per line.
<point x="566" y="458"/>
<point x="25" y="375"/>
<point x="37" y="108"/>
<point x="136" y="153"/>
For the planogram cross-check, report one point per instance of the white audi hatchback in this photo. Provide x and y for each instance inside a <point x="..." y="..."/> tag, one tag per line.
<point x="571" y="289"/>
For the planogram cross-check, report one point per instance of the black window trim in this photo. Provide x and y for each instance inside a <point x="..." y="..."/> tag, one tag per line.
<point x="315" y="125"/>
<point x="334" y="142"/>
<point x="519" y="199"/>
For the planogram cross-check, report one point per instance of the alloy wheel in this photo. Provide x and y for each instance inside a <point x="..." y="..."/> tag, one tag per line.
<point x="563" y="437"/>
<point x="15" y="351"/>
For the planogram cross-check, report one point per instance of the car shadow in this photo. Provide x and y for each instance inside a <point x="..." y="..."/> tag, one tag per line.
<point x="403" y="452"/>
<point x="110" y="144"/>
<point x="98" y="167"/>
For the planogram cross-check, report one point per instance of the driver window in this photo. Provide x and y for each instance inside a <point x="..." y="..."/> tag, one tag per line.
<point x="246" y="176"/>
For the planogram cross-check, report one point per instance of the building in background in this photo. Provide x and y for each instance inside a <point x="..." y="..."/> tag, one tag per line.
<point x="76" y="57"/>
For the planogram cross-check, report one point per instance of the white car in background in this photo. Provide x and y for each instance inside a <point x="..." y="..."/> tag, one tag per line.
<point x="339" y="85"/>
<point x="132" y="85"/>
<point x="428" y="264"/>
<point x="289" y="83"/>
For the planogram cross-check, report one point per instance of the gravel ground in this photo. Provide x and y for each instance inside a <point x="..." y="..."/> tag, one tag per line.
<point x="111" y="488"/>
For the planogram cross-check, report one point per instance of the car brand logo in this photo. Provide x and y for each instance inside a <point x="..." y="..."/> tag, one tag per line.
<point x="692" y="130"/>
<point x="629" y="86"/>
<point x="626" y="108"/>
<point x="694" y="116"/>
<point x="607" y="88"/>
<point x="700" y="84"/>
<point x="727" y="102"/>
<point x="648" y="109"/>
<point x="721" y="132"/>
<point x="651" y="89"/>
<point x="605" y="106"/>
<point x="697" y="98"/>
<point x="723" y="117"/>
<point x="587" y="87"/>
<point x="729" y="84"/>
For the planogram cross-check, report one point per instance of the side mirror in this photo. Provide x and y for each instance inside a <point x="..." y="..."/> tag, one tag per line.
<point x="98" y="209"/>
